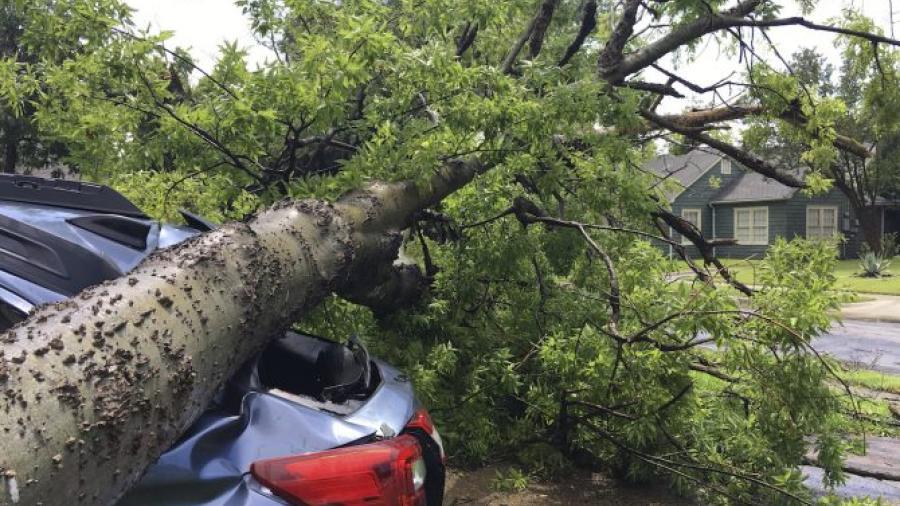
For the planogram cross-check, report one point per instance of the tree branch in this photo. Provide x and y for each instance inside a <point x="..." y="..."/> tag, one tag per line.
<point x="704" y="246"/>
<point x="747" y="159"/>
<point x="541" y="22"/>
<point x="703" y="117"/>
<point x="507" y="66"/>
<point x="611" y="56"/>
<point x="659" y="88"/>
<point x="613" y="67"/>
<point x="466" y="39"/>
<point x="801" y="21"/>
<point x="588" y="24"/>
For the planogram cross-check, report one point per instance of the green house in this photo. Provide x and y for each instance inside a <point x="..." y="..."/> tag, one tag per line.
<point x="727" y="201"/>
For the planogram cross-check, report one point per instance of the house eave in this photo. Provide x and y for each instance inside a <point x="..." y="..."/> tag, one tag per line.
<point x="747" y="201"/>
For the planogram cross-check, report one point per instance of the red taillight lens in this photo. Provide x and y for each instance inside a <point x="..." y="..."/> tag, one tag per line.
<point x="386" y="473"/>
<point x="422" y="420"/>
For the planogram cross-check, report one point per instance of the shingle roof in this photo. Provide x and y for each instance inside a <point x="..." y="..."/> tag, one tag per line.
<point x="753" y="187"/>
<point x="684" y="170"/>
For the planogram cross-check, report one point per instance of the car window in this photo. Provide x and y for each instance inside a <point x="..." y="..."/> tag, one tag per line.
<point x="9" y="315"/>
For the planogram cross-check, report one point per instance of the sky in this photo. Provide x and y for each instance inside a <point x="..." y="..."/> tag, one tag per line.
<point x="203" y="25"/>
<point x="711" y="65"/>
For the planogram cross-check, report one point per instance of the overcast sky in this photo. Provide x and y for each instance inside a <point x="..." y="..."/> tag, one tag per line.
<point x="203" y="25"/>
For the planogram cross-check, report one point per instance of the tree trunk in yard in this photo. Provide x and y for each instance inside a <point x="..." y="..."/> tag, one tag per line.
<point x="870" y="226"/>
<point x="10" y="153"/>
<point x="94" y="389"/>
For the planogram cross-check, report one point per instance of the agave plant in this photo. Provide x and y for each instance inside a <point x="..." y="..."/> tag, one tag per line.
<point x="874" y="266"/>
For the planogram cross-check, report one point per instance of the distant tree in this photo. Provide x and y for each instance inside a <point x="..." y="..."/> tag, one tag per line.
<point x="813" y="70"/>
<point x="862" y="104"/>
<point x="17" y="132"/>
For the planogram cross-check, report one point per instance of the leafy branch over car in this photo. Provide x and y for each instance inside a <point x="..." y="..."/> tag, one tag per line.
<point x="386" y="125"/>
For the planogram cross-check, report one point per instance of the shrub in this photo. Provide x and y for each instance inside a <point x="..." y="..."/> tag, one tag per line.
<point x="874" y="266"/>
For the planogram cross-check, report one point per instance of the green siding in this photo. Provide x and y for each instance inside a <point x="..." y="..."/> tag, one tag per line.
<point x="778" y="226"/>
<point x="787" y="219"/>
<point x="796" y="210"/>
<point x="699" y="195"/>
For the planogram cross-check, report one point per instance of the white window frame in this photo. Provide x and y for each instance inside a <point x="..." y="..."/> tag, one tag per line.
<point x="699" y="223"/>
<point x="726" y="167"/>
<point x="819" y="210"/>
<point x="748" y="241"/>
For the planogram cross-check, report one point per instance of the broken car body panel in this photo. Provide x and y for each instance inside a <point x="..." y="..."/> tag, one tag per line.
<point x="208" y="466"/>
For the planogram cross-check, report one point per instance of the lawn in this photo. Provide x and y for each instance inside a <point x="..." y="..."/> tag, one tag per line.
<point x="849" y="280"/>
<point x="846" y="271"/>
<point x="873" y="380"/>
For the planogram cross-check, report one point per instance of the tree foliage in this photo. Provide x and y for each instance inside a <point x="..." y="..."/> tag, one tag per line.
<point x="36" y="35"/>
<point x="552" y="328"/>
<point x="861" y="101"/>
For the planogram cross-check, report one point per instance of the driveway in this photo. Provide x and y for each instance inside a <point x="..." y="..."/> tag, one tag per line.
<point x="883" y="308"/>
<point x="870" y="344"/>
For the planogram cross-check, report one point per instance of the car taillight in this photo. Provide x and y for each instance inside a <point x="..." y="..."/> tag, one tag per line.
<point x="422" y="420"/>
<point x="386" y="473"/>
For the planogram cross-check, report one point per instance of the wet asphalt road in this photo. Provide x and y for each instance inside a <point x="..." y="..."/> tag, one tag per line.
<point x="871" y="345"/>
<point x="876" y="346"/>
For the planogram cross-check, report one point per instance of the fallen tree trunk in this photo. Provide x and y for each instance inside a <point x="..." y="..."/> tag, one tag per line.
<point x="97" y="387"/>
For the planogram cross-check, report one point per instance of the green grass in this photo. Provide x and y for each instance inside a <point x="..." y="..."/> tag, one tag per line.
<point x="846" y="272"/>
<point x="873" y="380"/>
<point x="877" y="416"/>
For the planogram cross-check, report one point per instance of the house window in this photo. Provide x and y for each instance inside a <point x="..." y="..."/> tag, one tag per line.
<point x="726" y="166"/>
<point x="821" y="222"/>
<point x="695" y="218"/>
<point x="751" y="225"/>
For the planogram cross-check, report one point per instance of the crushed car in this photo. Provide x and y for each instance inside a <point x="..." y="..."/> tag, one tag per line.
<point x="309" y="421"/>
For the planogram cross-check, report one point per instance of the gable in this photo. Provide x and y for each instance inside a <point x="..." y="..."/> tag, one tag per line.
<point x="682" y="170"/>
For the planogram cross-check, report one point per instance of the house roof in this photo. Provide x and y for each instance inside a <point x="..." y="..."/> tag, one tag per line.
<point x="684" y="169"/>
<point x="747" y="187"/>
<point x="753" y="187"/>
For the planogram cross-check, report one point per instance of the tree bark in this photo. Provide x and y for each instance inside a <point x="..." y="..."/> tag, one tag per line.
<point x="614" y="66"/>
<point x="97" y="387"/>
<point x="870" y="226"/>
<point x="705" y="117"/>
<point x="10" y="153"/>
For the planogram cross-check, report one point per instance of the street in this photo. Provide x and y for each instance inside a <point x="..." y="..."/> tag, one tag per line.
<point x="868" y="344"/>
